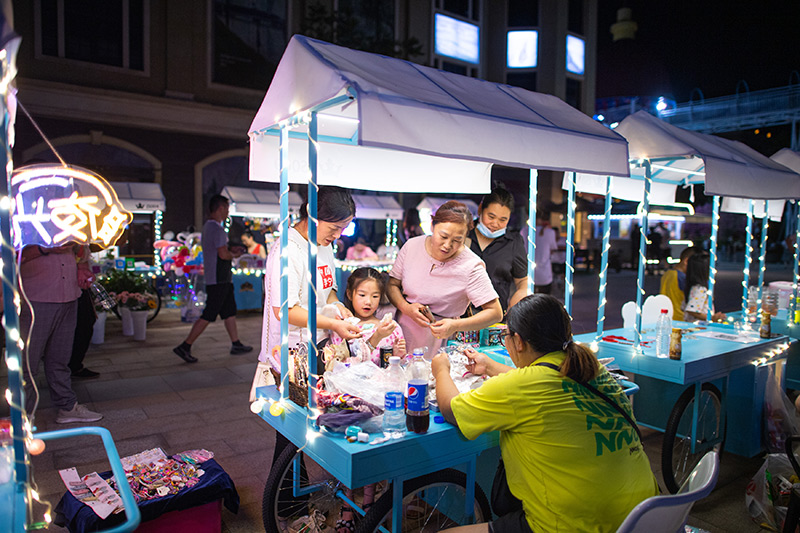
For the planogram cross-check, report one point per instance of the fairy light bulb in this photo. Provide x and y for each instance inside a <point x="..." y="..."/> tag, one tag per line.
<point x="257" y="406"/>
<point x="36" y="446"/>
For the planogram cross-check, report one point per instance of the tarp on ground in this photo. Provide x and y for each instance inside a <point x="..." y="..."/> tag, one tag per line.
<point x="411" y="128"/>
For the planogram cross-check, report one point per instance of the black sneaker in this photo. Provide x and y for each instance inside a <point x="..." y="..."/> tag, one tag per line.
<point x="185" y="354"/>
<point x="238" y="349"/>
<point x="85" y="373"/>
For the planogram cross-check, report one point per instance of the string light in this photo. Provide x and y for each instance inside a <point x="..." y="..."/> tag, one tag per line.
<point x="603" y="277"/>
<point x="712" y="263"/>
<point x="748" y="247"/>
<point x="159" y="217"/>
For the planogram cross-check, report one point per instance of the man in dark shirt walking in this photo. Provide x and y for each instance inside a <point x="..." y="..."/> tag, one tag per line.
<point x="220" y="298"/>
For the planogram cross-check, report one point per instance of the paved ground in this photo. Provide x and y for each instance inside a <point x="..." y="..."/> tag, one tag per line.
<point x="151" y="398"/>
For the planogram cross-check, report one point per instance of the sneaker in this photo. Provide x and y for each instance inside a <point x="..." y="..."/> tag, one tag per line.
<point x="185" y="354"/>
<point x="85" y="373"/>
<point x="78" y="413"/>
<point x="240" y="349"/>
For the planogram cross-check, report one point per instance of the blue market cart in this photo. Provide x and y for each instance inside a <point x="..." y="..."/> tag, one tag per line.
<point x="334" y="116"/>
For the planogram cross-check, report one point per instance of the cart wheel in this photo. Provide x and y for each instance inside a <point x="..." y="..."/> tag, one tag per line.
<point x="677" y="459"/>
<point x="431" y="503"/>
<point x="280" y="508"/>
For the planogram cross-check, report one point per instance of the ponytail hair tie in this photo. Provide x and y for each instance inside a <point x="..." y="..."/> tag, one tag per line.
<point x="566" y="344"/>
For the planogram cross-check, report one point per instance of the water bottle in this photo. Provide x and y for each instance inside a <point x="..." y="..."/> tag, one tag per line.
<point x="393" y="424"/>
<point x="663" y="332"/>
<point x="417" y="412"/>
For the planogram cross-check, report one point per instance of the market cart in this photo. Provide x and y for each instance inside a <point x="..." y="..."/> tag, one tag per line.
<point x="683" y="397"/>
<point x="365" y="121"/>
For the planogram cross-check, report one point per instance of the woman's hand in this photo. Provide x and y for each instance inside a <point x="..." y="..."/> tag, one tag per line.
<point x="343" y="310"/>
<point x="346" y="330"/>
<point x="400" y="348"/>
<point x="382" y="331"/>
<point x="444" y="328"/>
<point x="415" y="312"/>
<point x="440" y="363"/>
<point x="477" y="363"/>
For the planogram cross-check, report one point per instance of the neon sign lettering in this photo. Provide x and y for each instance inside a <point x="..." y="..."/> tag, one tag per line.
<point x="53" y="205"/>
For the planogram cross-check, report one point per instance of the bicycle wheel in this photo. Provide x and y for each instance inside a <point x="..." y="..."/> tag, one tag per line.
<point x="677" y="458"/>
<point x="431" y="503"/>
<point x="280" y="508"/>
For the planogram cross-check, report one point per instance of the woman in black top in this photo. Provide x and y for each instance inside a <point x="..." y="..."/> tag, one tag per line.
<point x="504" y="254"/>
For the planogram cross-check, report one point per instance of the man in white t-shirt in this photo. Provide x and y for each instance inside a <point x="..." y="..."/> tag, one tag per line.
<point x="546" y="244"/>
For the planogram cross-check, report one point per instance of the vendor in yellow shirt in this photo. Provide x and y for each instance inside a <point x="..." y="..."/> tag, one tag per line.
<point x="673" y="282"/>
<point x="576" y="463"/>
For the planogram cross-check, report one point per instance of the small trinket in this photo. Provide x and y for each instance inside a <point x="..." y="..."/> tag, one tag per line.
<point x="363" y="437"/>
<point x="675" y="344"/>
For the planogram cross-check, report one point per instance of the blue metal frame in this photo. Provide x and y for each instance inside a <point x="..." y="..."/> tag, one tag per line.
<point x="712" y="265"/>
<point x="793" y="303"/>
<point x="570" y="271"/>
<point x="642" y="254"/>
<point x="601" y="299"/>
<point x="532" y="185"/>
<point x="748" y="257"/>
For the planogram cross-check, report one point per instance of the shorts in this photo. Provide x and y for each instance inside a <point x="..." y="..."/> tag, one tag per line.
<point x="219" y="301"/>
<point x="510" y="523"/>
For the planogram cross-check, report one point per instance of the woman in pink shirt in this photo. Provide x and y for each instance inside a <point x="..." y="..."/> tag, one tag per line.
<point x="440" y="273"/>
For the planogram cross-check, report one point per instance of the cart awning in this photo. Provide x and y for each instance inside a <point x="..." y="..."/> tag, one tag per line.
<point x="139" y="197"/>
<point x="432" y="204"/>
<point x="411" y="128"/>
<point x="377" y="207"/>
<point x="680" y="157"/>
<point x="259" y="203"/>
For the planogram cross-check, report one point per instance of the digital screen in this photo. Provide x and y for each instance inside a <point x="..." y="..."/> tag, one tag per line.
<point x="457" y="39"/>
<point x="576" y="53"/>
<point x="523" y="49"/>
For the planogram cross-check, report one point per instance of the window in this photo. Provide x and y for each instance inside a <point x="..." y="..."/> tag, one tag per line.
<point x="523" y="13"/>
<point x="573" y="93"/>
<point x="366" y="25"/>
<point x="575" y="16"/>
<point x="526" y="80"/>
<point x="457" y="39"/>
<point x="576" y="53"/>
<point x="104" y="32"/>
<point x="522" y="49"/>
<point x="249" y="37"/>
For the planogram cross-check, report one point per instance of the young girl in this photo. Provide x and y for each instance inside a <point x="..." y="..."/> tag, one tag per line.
<point x="365" y="291"/>
<point x="696" y="289"/>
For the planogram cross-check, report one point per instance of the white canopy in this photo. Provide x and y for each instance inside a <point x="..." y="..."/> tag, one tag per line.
<point x="788" y="158"/>
<point x="406" y="127"/>
<point x="681" y="157"/>
<point x="259" y="203"/>
<point x="377" y="207"/>
<point x="742" y="206"/>
<point x="139" y="197"/>
<point x="432" y="204"/>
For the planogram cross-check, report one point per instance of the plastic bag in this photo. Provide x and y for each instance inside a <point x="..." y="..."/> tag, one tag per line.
<point x="767" y="494"/>
<point x="365" y="380"/>
<point x="780" y="415"/>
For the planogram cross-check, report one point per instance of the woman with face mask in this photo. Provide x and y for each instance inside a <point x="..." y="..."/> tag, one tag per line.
<point x="504" y="253"/>
<point x="435" y="278"/>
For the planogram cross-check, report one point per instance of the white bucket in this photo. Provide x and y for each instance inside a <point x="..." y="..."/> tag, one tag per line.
<point x="784" y="289"/>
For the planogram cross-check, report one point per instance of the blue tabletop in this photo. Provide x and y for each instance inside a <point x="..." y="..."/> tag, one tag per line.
<point x="702" y="359"/>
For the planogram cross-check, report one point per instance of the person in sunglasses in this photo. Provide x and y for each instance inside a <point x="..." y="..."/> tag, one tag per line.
<point x="572" y="460"/>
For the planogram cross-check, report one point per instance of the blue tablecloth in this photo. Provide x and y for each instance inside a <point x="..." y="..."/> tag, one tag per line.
<point x="215" y="484"/>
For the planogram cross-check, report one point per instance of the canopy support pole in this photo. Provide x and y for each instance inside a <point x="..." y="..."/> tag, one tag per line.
<point x="312" y="257"/>
<point x="532" y="185"/>
<point x="601" y="300"/>
<point x="570" y="273"/>
<point x="793" y="303"/>
<point x="748" y="252"/>
<point x="712" y="266"/>
<point x="284" y="313"/>
<point x="762" y="259"/>
<point x="648" y="180"/>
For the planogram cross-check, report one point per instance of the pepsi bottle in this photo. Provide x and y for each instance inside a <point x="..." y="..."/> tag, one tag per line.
<point x="417" y="411"/>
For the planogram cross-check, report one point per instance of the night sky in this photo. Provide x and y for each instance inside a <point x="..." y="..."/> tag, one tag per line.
<point x="709" y="44"/>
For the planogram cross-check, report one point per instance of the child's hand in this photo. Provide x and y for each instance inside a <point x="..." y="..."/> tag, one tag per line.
<point x="400" y="348"/>
<point x="346" y="330"/>
<point x="382" y="331"/>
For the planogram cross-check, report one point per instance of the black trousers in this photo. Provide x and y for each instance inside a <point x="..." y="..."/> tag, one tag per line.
<point x="83" y="330"/>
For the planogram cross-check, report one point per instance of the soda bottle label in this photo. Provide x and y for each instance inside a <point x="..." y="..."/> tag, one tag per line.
<point x="417" y="395"/>
<point x="393" y="401"/>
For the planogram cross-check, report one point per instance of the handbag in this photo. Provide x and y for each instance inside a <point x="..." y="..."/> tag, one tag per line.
<point x="503" y="501"/>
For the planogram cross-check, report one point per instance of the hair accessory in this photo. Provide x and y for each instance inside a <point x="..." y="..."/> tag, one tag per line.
<point x="566" y="344"/>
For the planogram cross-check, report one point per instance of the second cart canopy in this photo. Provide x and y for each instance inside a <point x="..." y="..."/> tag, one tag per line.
<point x="258" y="203"/>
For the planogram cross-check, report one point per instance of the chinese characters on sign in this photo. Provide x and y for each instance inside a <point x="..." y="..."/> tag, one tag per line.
<point x="53" y="205"/>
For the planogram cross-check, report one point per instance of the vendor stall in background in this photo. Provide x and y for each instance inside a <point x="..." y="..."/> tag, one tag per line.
<point x="146" y="202"/>
<point x="372" y="208"/>
<point x="428" y="206"/>
<point x="261" y="206"/>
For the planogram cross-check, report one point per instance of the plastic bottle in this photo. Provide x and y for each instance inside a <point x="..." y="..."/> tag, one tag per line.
<point x="418" y="413"/>
<point x="393" y="425"/>
<point x="663" y="332"/>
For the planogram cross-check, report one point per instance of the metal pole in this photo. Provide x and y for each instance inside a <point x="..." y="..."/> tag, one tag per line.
<point x="748" y="252"/>
<point x="763" y="252"/>
<point x="712" y="267"/>
<point x="648" y="180"/>
<point x="532" y="185"/>
<point x="570" y="273"/>
<point x="601" y="303"/>
<point x="284" y="263"/>
<point x="312" y="257"/>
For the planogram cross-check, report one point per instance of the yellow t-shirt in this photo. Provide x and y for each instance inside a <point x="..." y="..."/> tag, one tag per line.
<point x="573" y="460"/>
<point x="669" y="287"/>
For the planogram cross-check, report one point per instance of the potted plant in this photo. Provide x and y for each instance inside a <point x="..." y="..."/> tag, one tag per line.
<point x="138" y="304"/>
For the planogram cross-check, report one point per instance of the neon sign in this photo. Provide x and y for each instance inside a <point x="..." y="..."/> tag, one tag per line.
<point x="53" y="205"/>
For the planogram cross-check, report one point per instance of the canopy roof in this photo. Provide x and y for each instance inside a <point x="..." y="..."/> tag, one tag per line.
<point x="139" y="197"/>
<point x="377" y="207"/>
<point x="259" y="203"/>
<point x="400" y="126"/>
<point x="681" y="157"/>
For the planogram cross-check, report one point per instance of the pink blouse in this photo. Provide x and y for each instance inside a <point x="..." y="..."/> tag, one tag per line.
<point x="447" y="288"/>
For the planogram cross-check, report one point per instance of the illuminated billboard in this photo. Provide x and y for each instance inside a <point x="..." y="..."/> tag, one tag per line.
<point x="576" y="54"/>
<point x="457" y="39"/>
<point x="522" y="49"/>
